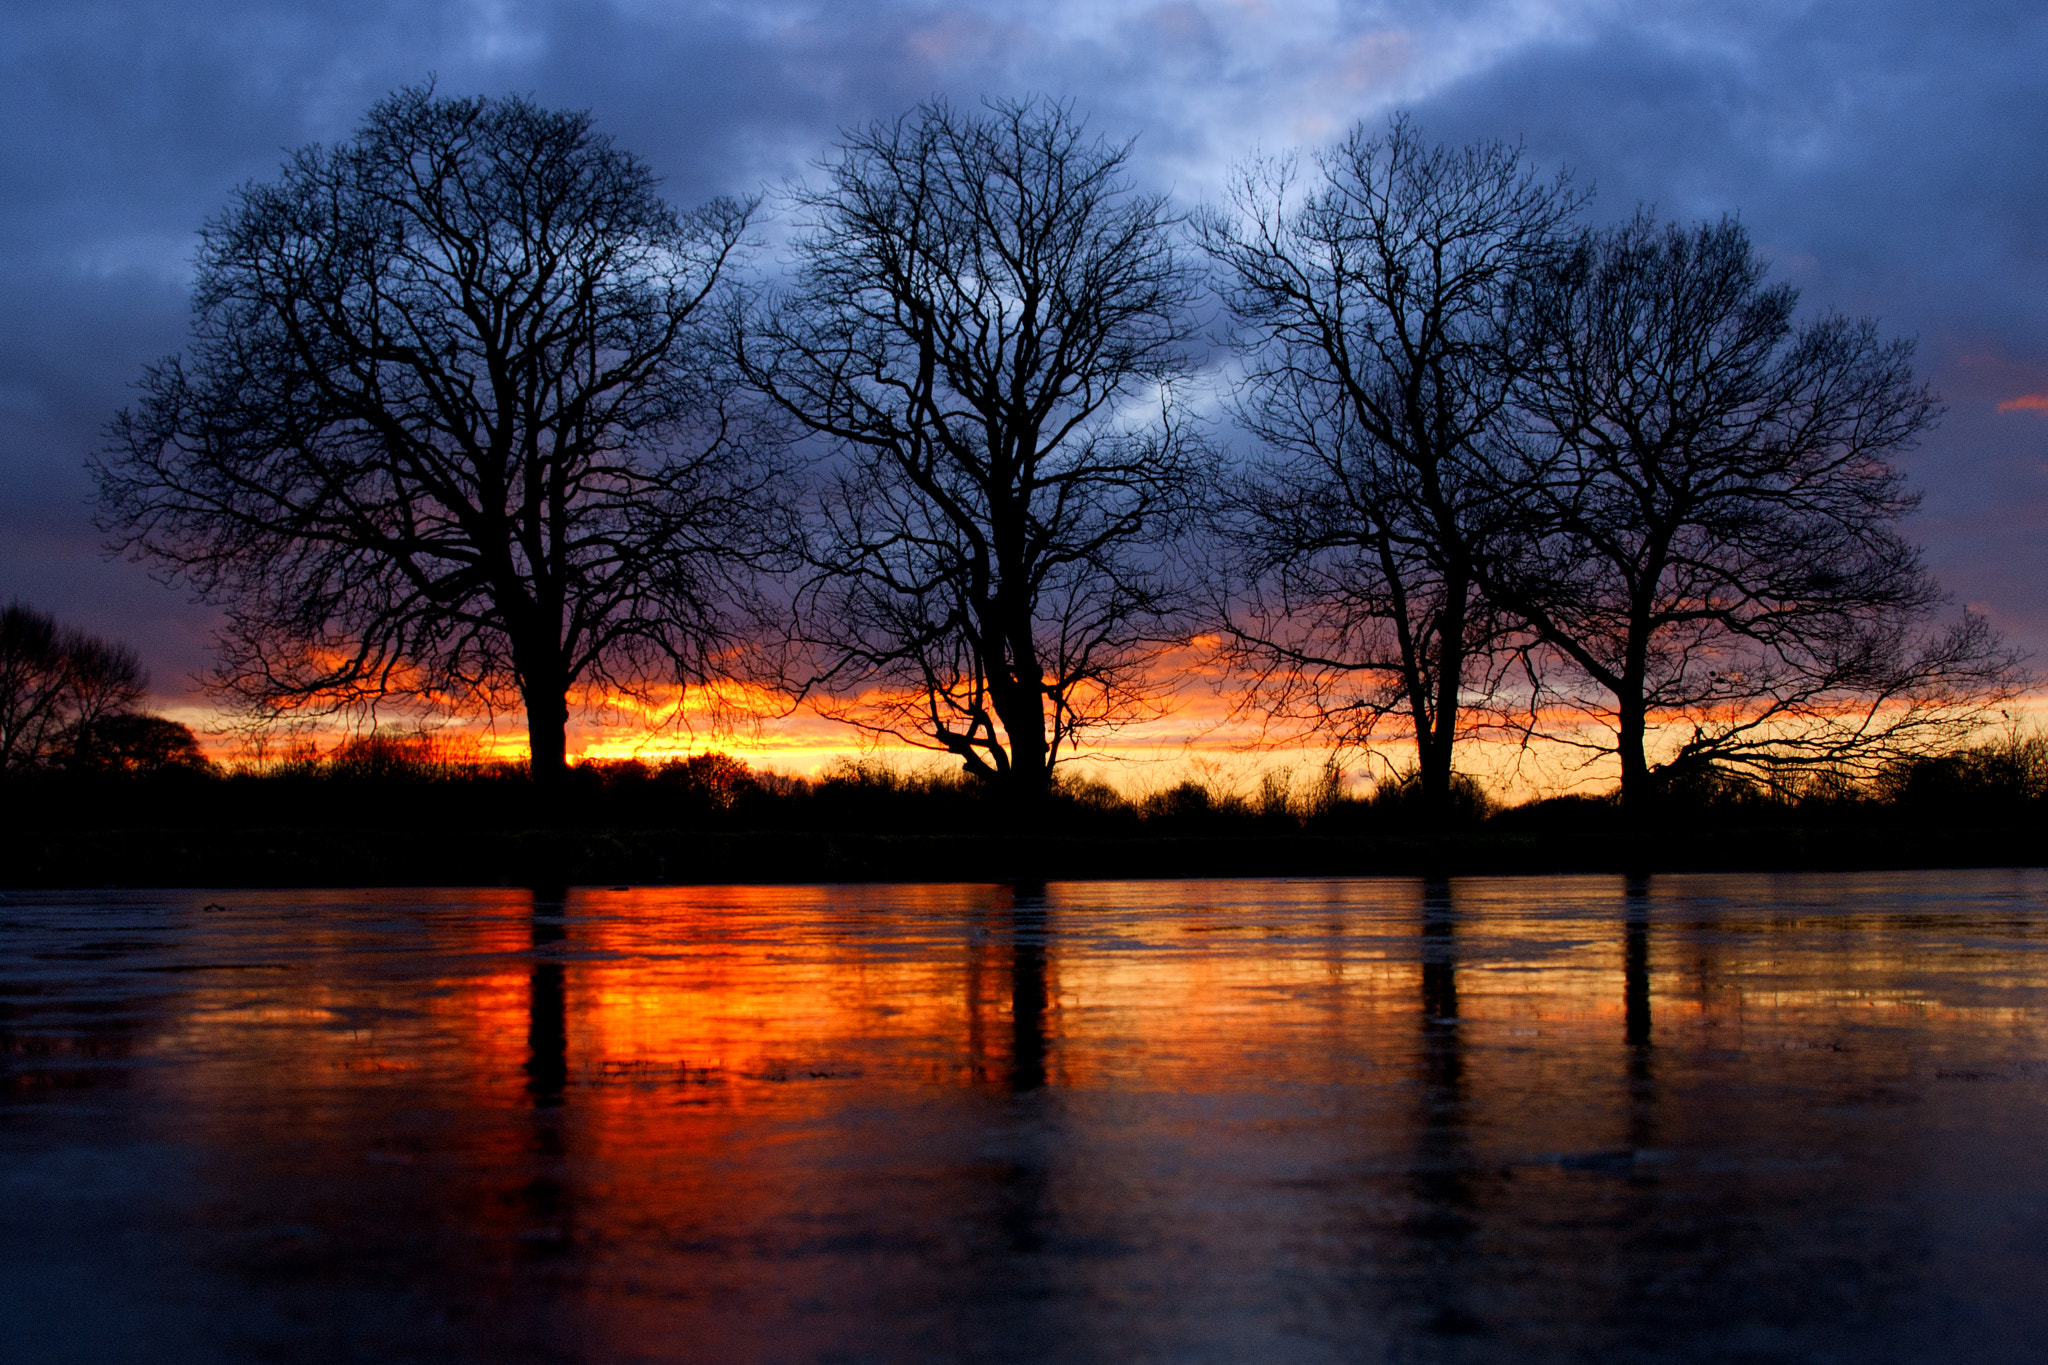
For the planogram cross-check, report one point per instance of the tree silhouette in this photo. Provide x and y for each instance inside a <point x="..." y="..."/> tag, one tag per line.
<point x="1373" y="294"/>
<point x="1713" y="547"/>
<point x="135" y="744"/>
<point x="59" y="688"/>
<point x="982" y="315"/>
<point x="450" y="430"/>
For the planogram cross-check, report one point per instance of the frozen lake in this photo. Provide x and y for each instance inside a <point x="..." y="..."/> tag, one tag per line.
<point x="1723" y="1118"/>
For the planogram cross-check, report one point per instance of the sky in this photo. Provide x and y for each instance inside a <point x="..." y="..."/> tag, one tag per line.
<point x="1889" y="157"/>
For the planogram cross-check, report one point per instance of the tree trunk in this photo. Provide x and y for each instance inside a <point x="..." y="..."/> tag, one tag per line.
<point x="1438" y="740"/>
<point x="1434" y="770"/>
<point x="1017" y="688"/>
<point x="547" y="740"/>
<point x="1631" y="713"/>
<point x="1021" y="708"/>
<point x="1635" y="769"/>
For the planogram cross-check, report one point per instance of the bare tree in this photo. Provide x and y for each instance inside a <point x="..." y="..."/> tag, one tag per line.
<point x="450" y="430"/>
<point x="33" y="677"/>
<point x="1373" y="293"/>
<point x="31" y="684"/>
<point x="987" y="321"/>
<point x="105" y="681"/>
<point x="1715" y="553"/>
<point x="57" y="687"/>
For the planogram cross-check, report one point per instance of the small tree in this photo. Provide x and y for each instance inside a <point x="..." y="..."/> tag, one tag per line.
<point x="983" y="315"/>
<point x="107" y="679"/>
<point x="1714" y="549"/>
<point x="1374" y="301"/>
<point x="449" y="430"/>
<point x="58" y="687"/>
<point x="32" y="684"/>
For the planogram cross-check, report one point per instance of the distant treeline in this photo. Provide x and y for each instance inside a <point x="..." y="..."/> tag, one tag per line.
<point x="381" y="811"/>
<point x="470" y="418"/>
<point x="418" y="786"/>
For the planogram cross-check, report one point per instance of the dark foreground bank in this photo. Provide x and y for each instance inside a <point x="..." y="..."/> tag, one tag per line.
<point x="299" y="856"/>
<point x="381" y="814"/>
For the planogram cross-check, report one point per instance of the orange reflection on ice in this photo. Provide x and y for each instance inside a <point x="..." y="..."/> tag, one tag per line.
<point x="680" y="1118"/>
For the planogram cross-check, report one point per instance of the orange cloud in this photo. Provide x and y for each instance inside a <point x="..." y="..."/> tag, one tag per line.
<point x="2026" y="402"/>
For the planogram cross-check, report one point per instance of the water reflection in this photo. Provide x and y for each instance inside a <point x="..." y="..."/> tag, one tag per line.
<point x="1635" y="975"/>
<point x="1430" y="1120"/>
<point x="547" y="1031"/>
<point x="544" y="1195"/>
<point x="1028" y="955"/>
<point x="1442" y="1159"/>
<point x="1445" y="1219"/>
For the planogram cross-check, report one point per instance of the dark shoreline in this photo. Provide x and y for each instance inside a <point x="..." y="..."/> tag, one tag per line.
<point x="328" y="857"/>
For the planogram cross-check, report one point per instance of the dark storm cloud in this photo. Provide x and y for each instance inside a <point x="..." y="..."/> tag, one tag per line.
<point x="1886" y="155"/>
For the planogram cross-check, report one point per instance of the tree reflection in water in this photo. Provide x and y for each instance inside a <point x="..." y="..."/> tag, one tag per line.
<point x="1442" y="1177"/>
<point x="1443" y="1060"/>
<point x="1023" y="1179"/>
<point x="547" y="1031"/>
<point x="1635" y="976"/>
<point x="1028" y="946"/>
<point x="545" y="1195"/>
